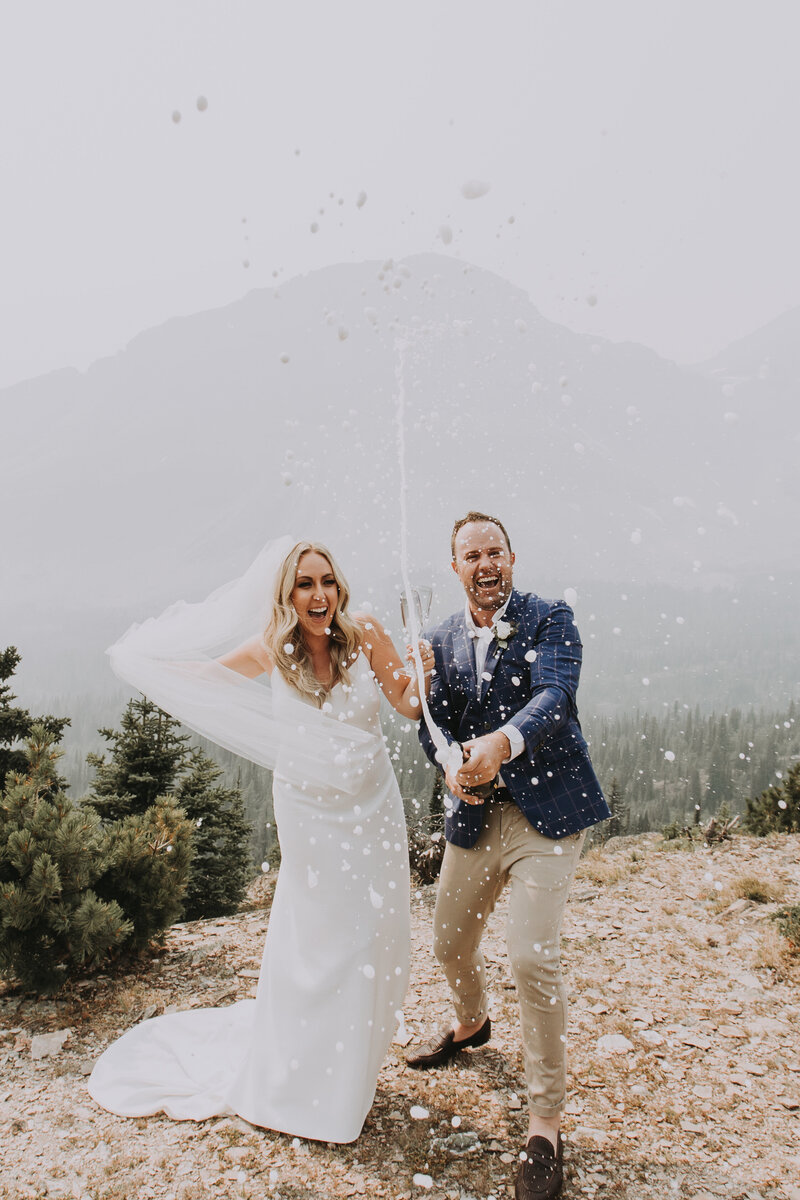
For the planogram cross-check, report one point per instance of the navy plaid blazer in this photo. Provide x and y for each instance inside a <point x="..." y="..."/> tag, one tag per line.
<point x="530" y="684"/>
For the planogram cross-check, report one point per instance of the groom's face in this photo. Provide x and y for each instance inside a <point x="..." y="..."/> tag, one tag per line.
<point x="483" y="563"/>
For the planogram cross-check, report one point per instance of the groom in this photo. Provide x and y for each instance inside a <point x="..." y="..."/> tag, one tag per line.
<point x="506" y="673"/>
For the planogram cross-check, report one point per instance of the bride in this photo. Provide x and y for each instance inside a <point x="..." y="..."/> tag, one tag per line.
<point x="304" y="1056"/>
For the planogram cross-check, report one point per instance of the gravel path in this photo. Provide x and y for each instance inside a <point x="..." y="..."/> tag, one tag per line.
<point x="684" y="1056"/>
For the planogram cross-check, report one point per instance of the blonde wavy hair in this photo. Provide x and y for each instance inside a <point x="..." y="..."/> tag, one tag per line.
<point x="284" y="629"/>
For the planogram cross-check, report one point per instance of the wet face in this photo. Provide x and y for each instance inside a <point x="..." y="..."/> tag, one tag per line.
<point x="483" y="563"/>
<point x="315" y="593"/>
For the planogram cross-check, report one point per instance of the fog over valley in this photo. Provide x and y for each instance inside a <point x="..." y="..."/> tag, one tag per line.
<point x="660" y="493"/>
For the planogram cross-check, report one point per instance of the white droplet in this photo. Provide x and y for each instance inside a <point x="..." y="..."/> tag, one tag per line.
<point x="343" y="333"/>
<point x="284" y="358"/>
<point x="571" y="596"/>
<point x="558" y="849"/>
<point x="202" y="104"/>
<point x="313" y="878"/>
<point x="515" y="679"/>
<point x="265" y="866"/>
<point x="368" y="971"/>
<point x="288" y="648"/>
<point x="530" y="656"/>
<point x="418" y="1113"/>
<point x="455" y="1122"/>
<point x="176" y="116"/>
<point x="446" y="234"/>
<point x="361" y="199"/>
<point x="473" y="189"/>
<point x="423" y="1181"/>
<point x="669" y="756"/>
<point x="645" y="681"/>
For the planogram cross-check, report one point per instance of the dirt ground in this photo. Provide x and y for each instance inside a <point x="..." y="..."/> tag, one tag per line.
<point x="684" y="1055"/>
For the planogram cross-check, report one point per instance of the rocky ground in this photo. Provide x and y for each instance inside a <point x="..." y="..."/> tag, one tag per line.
<point x="684" y="1056"/>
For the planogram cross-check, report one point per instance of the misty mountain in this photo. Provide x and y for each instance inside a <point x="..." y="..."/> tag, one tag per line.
<point x="159" y="472"/>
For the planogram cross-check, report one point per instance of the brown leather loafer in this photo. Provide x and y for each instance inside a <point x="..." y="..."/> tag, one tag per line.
<point x="540" y="1175"/>
<point x="443" y="1047"/>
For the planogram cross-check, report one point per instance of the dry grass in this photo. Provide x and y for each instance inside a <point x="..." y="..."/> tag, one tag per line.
<point x="603" y="869"/>
<point x="750" y="887"/>
<point x="775" y="953"/>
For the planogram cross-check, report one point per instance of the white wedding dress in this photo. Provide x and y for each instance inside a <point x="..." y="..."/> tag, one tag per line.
<point x="304" y="1056"/>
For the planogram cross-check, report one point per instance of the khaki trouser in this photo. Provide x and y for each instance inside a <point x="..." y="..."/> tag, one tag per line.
<point x="540" y="871"/>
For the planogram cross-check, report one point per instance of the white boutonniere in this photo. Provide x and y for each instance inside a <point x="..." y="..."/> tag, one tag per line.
<point x="503" y="632"/>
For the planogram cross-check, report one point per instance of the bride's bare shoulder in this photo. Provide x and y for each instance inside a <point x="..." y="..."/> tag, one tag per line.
<point x="367" y="621"/>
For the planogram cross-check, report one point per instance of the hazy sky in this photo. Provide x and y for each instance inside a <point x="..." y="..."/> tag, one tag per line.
<point x="646" y="151"/>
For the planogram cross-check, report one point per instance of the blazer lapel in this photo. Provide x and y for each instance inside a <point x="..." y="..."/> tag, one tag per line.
<point x="463" y="656"/>
<point x="496" y="650"/>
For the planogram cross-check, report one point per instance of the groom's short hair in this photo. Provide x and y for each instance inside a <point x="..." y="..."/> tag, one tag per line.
<point x="468" y="520"/>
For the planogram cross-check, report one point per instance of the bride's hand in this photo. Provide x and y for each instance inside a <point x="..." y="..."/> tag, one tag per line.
<point x="425" y="653"/>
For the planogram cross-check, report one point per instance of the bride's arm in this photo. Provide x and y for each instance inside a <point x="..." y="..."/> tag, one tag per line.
<point x="396" y="681"/>
<point x="250" y="659"/>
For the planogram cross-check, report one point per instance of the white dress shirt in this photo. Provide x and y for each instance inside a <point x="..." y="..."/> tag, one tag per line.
<point x="482" y="637"/>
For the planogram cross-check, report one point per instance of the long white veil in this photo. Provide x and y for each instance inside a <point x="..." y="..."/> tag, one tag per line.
<point x="171" y="659"/>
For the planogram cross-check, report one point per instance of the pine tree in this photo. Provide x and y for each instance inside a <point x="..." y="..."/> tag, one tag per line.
<point x="150" y="764"/>
<point x="778" y="808"/>
<point x="221" y="865"/>
<point x="16" y="723"/>
<point x="147" y="753"/>
<point x="52" y="852"/>
<point x="619" y="820"/>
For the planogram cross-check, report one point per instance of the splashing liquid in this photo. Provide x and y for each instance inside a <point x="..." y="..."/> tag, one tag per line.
<point x="446" y="753"/>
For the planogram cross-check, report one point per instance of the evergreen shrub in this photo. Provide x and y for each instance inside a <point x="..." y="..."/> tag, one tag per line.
<point x="148" y="870"/>
<point x="52" y="853"/>
<point x="74" y="889"/>
<point x="789" y="924"/>
<point x="776" y="810"/>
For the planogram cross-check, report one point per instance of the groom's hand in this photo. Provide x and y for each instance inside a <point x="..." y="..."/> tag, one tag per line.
<point x="456" y="789"/>
<point x="486" y="756"/>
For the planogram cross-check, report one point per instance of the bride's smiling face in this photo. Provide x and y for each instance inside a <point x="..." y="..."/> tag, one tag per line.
<point x="315" y="594"/>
